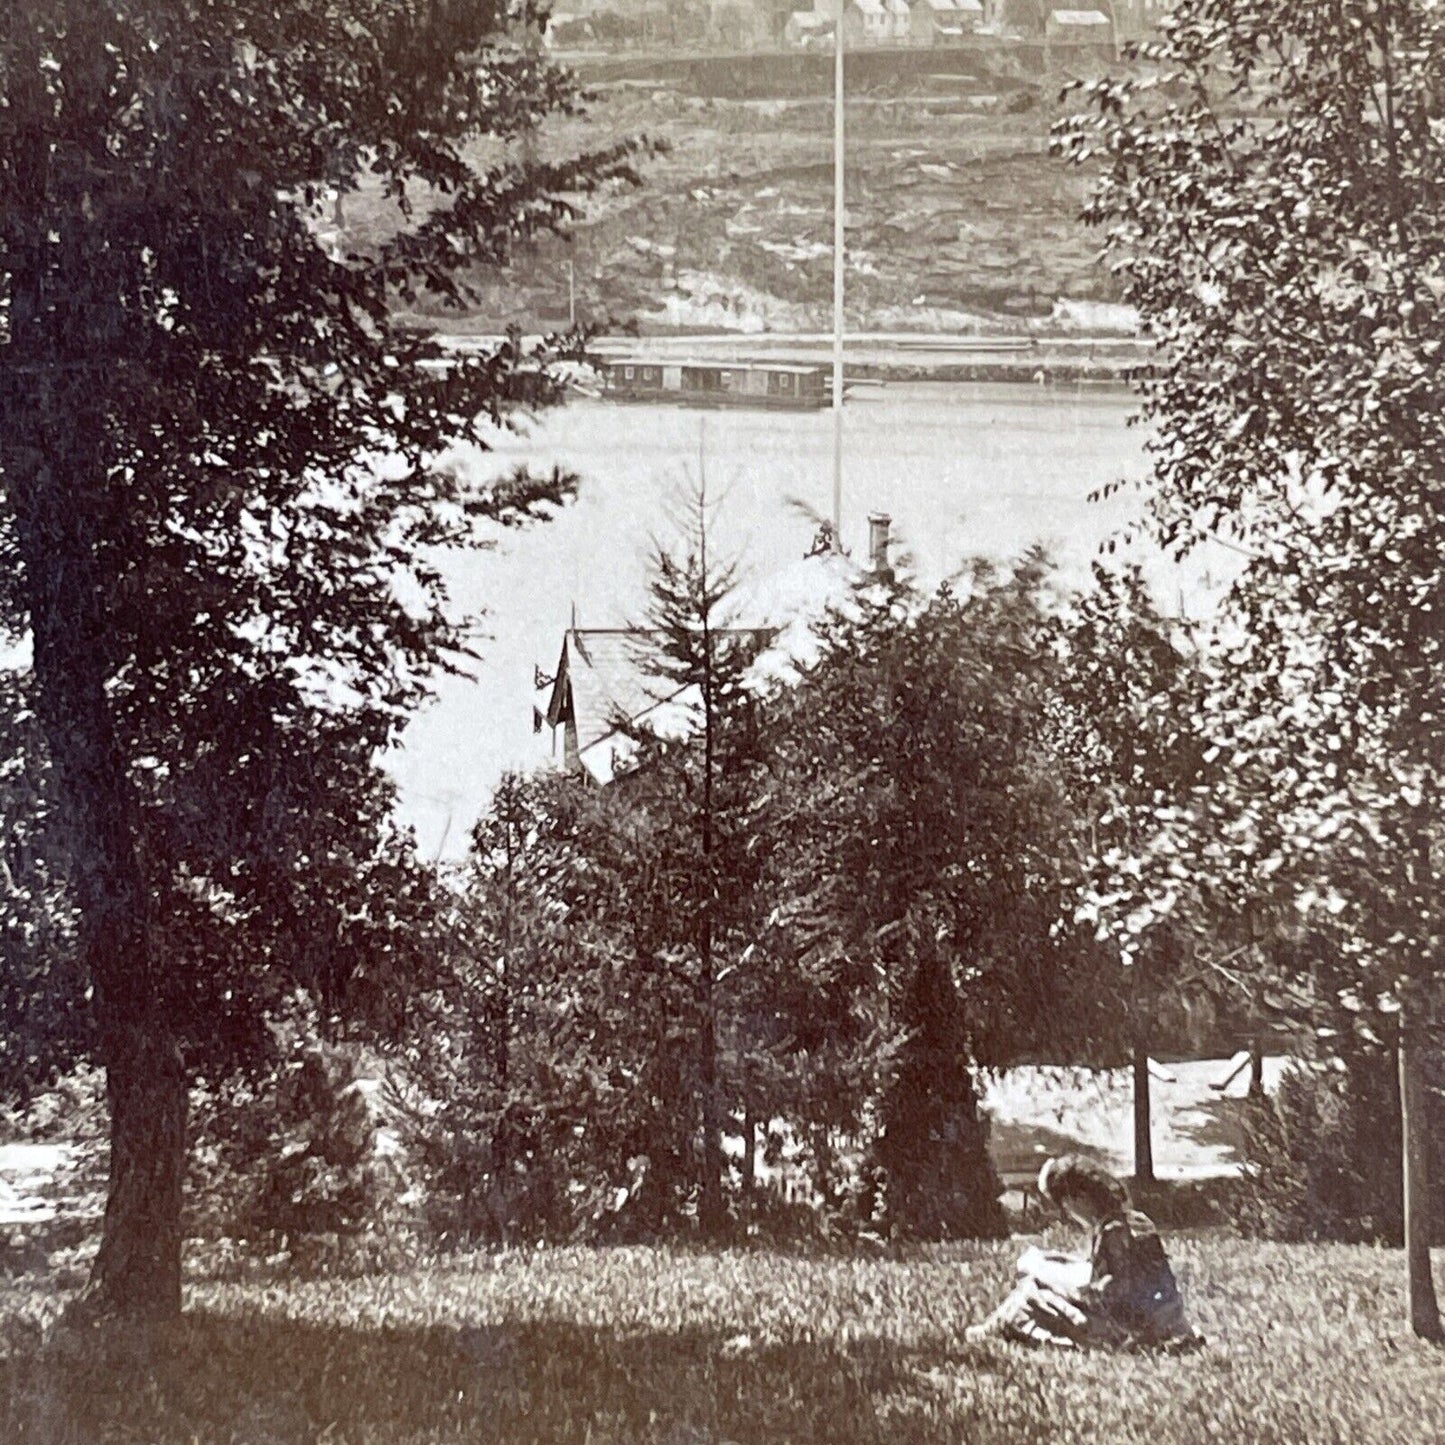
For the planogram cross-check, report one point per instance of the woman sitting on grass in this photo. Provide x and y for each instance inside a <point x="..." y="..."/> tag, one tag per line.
<point x="1123" y="1294"/>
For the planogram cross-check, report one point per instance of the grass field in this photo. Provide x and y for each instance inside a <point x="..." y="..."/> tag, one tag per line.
<point x="681" y="1348"/>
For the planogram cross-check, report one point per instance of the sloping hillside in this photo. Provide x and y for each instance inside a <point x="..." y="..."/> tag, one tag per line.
<point x="958" y="219"/>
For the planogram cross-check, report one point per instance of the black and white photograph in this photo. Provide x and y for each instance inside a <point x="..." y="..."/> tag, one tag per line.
<point x="722" y="722"/>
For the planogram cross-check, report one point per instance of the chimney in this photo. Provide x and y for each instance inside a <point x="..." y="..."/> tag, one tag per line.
<point x="878" y="525"/>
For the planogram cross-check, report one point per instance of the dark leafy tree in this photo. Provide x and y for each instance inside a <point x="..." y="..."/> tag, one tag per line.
<point x="1129" y="756"/>
<point x="928" y="819"/>
<point x="220" y="498"/>
<point x="1274" y="213"/>
<point x="44" y="1025"/>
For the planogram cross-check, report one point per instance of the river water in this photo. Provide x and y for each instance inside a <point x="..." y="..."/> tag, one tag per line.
<point x="962" y="471"/>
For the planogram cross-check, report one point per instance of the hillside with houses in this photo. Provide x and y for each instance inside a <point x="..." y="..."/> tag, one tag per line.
<point x="958" y="219"/>
<point x="759" y="25"/>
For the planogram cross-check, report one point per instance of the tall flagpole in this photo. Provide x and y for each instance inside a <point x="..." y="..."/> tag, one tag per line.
<point x="838" y="246"/>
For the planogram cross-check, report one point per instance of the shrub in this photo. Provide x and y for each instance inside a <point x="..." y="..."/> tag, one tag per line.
<point x="1322" y="1157"/>
<point x="330" y="1170"/>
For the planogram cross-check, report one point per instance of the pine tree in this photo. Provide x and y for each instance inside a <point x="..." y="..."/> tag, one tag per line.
<point x="697" y="787"/>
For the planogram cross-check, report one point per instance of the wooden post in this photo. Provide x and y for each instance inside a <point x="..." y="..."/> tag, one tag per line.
<point x="1415" y="1156"/>
<point x="1256" y="1067"/>
<point x="1143" y="1133"/>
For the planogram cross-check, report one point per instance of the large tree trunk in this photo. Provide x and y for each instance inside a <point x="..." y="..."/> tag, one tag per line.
<point x="1415" y="1153"/>
<point x="1143" y="1133"/>
<point x="137" y="1272"/>
<point x="55" y="461"/>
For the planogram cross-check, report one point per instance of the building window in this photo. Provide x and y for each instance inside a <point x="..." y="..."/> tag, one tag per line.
<point x="627" y="373"/>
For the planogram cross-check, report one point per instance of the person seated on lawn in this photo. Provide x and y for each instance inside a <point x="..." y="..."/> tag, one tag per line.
<point x="1123" y="1294"/>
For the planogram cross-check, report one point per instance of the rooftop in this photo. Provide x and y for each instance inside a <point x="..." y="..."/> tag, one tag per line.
<point x="603" y="675"/>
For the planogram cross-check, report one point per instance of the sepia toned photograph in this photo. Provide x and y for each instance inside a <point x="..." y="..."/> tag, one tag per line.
<point x="722" y="722"/>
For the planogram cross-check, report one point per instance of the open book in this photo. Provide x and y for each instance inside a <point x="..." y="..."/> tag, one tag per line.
<point x="1063" y="1272"/>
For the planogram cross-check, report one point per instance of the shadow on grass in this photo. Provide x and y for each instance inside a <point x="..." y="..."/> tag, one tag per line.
<point x="269" y="1381"/>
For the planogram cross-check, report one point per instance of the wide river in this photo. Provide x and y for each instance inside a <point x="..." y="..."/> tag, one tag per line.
<point x="962" y="470"/>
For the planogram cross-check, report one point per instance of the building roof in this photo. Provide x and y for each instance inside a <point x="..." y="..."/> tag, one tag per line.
<point x="602" y="681"/>
<point x="897" y="7"/>
<point x="1078" y="17"/>
<point x="808" y="19"/>
<point x="870" y="7"/>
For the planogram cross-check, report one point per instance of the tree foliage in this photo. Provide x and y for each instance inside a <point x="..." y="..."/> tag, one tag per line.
<point x="926" y="826"/>
<point x="1271" y="201"/>
<point x="221" y="498"/>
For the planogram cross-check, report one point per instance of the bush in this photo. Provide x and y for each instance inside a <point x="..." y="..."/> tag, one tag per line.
<point x="301" y="1153"/>
<point x="1322" y="1158"/>
<point x="330" y="1170"/>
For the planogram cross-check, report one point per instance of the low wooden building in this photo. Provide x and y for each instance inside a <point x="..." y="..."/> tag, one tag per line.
<point x="780" y="384"/>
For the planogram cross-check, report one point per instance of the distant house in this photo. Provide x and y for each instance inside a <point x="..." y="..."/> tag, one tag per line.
<point x="602" y="683"/>
<point x="808" y="30"/>
<point x="899" y="15"/>
<point x="1091" y="29"/>
<point x="865" y="22"/>
<point x="945" y="22"/>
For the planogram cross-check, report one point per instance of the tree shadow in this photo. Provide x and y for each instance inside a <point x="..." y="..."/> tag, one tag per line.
<point x="1213" y="1123"/>
<point x="268" y="1380"/>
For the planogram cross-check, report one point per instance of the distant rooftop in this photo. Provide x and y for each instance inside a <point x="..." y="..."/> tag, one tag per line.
<point x="603" y="680"/>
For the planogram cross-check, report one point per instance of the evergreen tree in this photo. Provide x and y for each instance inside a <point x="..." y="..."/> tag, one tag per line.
<point x="928" y="830"/>
<point x="696" y="797"/>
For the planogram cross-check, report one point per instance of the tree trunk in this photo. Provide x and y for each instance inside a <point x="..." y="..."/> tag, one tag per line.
<point x="137" y="1272"/>
<point x="710" y="1208"/>
<point x="1143" y="1138"/>
<point x="1256" y="1068"/>
<point x="750" y="1153"/>
<point x="55" y="459"/>
<point x="1415" y="1153"/>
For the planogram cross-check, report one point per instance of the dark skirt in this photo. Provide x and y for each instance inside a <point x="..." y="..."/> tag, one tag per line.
<point x="1037" y="1315"/>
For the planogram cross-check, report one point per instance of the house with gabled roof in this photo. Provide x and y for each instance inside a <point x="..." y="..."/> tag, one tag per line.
<point x="865" y="22"/>
<point x="1084" y="26"/>
<point x="945" y="22"/>
<point x="602" y="684"/>
<point x="900" y="20"/>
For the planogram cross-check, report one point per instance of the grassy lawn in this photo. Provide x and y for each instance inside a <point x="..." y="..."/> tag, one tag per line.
<point x="680" y="1348"/>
